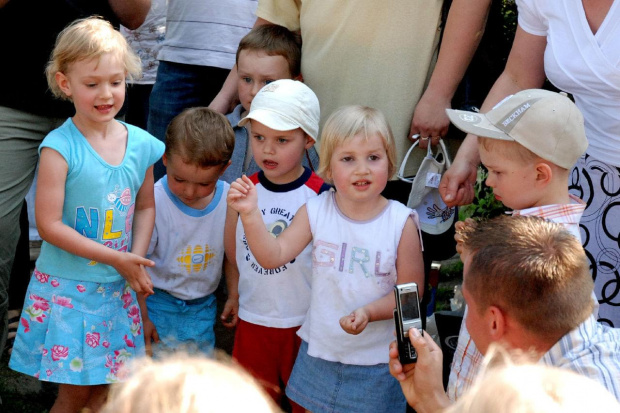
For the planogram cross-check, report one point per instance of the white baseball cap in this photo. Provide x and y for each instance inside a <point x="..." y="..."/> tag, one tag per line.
<point x="286" y="105"/>
<point x="547" y="123"/>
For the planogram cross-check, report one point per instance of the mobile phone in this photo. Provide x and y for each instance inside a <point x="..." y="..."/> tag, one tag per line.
<point x="406" y="316"/>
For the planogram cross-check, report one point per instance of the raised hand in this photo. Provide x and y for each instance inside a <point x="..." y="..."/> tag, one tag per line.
<point x="242" y="196"/>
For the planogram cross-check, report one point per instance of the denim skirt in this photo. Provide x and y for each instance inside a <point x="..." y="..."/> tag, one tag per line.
<point x="322" y="386"/>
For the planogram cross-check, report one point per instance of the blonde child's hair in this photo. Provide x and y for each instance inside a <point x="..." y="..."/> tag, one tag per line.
<point x="348" y="122"/>
<point x="182" y="383"/>
<point x="87" y="39"/>
<point x="274" y="40"/>
<point x="200" y="136"/>
<point x="511" y="149"/>
<point x="509" y="384"/>
<point x="541" y="261"/>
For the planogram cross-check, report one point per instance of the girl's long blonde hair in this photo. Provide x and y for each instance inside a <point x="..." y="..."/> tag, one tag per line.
<point x="87" y="39"/>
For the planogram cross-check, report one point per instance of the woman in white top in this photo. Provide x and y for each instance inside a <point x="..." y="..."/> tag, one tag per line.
<point x="576" y="45"/>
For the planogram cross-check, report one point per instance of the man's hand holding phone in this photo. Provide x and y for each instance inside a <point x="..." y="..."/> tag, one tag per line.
<point x="421" y="382"/>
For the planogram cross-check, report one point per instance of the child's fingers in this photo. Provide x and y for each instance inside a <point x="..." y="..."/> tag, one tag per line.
<point x="146" y="262"/>
<point x="247" y="181"/>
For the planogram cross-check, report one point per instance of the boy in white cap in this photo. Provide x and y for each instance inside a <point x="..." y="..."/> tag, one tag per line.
<point x="284" y="117"/>
<point x="528" y="142"/>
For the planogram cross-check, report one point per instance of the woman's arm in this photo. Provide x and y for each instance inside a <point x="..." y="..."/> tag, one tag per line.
<point x="464" y="29"/>
<point x="524" y="70"/>
<point x="131" y="13"/>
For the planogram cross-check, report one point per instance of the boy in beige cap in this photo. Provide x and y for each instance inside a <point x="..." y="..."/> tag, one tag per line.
<point x="528" y="142"/>
<point x="284" y="118"/>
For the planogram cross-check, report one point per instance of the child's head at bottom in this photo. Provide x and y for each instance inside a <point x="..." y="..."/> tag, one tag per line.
<point x="284" y="123"/>
<point x="199" y="145"/>
<point x="187" y="384"/>
<point x="528" y="142"/>
<point x="357" y="137"/>
<point x="510" y="382"/>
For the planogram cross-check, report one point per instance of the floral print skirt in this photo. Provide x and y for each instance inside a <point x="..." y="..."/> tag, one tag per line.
<point x="77" y="332"/>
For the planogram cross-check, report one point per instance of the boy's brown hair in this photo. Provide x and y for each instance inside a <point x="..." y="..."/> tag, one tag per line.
<point x="274" y="40"/>
<point x="531" y="268"/>
<point x="201" y="136"/>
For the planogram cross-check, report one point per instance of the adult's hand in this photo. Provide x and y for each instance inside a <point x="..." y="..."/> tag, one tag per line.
<point x="421" y="382"/>
<point x="457" y="184"/>
<point x="430" y="122"/>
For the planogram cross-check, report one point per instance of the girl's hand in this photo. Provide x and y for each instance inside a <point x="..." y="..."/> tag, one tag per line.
<point x="131" y="267"/>
<point x="242" y="196"/>
<point x="355" y="322"/>
<point x="230" y="313"/>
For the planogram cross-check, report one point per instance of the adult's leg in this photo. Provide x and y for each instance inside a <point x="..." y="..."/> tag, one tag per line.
<point x="20" y="136"/>
<point x="179" y="86"/>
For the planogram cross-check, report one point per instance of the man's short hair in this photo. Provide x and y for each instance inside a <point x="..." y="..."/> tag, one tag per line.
<point x="531" y="268"/>
<point x="200" y="136"/>
<point x="274" y="40"/>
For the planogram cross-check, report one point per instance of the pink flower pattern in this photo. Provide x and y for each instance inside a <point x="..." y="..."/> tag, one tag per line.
<point x="59" y="357"/>
<point x="26" y="324"/>
<point x="63" y="301"/>
<point x="92" y="339"/>
<point x="127" y="298"/>
<point x="134" y="314"/>
<point x="39" y="303"/>
<point x="41" y="277"/>
<point x="59" y="352"/>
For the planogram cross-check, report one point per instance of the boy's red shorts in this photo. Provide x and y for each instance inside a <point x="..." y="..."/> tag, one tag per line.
<point x="268" y="354"/>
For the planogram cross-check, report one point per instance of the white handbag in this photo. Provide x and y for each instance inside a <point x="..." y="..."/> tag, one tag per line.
<point x="435" y="216"/>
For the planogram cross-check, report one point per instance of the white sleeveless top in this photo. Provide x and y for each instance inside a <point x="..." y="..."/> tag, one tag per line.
<point x="353" y="264"/>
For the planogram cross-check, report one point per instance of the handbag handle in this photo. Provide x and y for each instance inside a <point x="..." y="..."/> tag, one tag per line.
<point x="429" y="154"/>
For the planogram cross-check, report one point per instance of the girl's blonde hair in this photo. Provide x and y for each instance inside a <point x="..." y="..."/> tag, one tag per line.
<point x="87" y="39"/>
<point x="348" y="122"/>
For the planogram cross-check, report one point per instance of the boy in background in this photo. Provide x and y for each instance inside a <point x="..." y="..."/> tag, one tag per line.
<point x="528" y="142"/>
<point x="284" y="118"/>
<point x="187" y="244"/>
<point x="267" y="53"/>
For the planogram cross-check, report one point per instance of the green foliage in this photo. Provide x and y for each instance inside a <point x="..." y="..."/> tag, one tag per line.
<point x="484" y="205"/>
<point x="451" y="269"/>
<point x="509" y="12"/>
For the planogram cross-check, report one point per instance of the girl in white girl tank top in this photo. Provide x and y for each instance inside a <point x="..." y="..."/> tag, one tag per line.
<point x="363" y="244"/>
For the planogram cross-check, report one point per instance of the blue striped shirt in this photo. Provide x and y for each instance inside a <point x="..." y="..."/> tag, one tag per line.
<point x="593" y="350"/>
